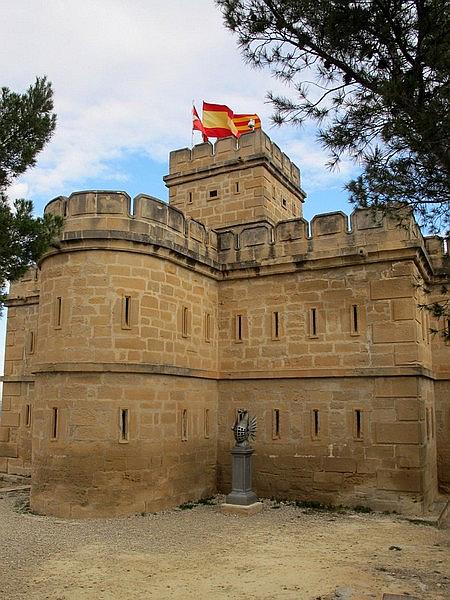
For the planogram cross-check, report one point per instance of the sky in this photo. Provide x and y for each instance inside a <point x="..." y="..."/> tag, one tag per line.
<point x="124" y="74"/>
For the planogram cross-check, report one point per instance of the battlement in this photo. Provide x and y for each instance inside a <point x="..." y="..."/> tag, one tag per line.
<point x="146" y="219"/>
<point x="109" y="214"/>
<point x="438" y="250"/>
<point x="249" y="146"/>
<point x="327" y="235"/>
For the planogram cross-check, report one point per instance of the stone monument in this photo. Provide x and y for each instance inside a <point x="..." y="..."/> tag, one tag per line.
<point x="242" y="499"/>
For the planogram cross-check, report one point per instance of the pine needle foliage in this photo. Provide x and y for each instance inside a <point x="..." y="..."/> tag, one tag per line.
<point x="375" y="76"/>
<point x="27" y="123"/>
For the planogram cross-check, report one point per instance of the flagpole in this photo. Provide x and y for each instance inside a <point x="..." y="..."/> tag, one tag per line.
<point x="192" y="127"/>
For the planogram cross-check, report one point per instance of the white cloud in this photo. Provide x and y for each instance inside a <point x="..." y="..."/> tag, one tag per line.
<point x="124" y="74"/>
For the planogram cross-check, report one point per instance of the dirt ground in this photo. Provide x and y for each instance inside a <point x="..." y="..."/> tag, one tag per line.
<point x="284" y="553"/>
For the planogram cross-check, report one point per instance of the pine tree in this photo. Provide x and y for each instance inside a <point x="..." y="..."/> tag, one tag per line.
<point x="375" y="76"/>
<point x="27" y="123"/>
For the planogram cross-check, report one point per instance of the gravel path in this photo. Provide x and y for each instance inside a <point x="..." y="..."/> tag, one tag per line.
<point x="283" y="553"/>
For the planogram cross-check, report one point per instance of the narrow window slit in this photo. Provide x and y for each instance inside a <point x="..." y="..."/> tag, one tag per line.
<point x="207" y="327"/>
<point x="276" y="423"/>
<point x="313" y="322"/>
<point x="358" y="424"/>
<point x="316" y="423"/>
<point x="27" y="415"/>
<point x="184" y="425"/>
<point x="185" y="321"/>
<point x="31" y="342"/>
<point x="124" y="424"/>
<point x="355" y="323"/>
<point x="206" y="423"/>
<point x="126" y="312"/>
<point x="54" y="423"/>
<point x="238" y="328"/>
<point x="236" y="187"/>
<point x="58" y="312"/>
<point x="275" y="325"/>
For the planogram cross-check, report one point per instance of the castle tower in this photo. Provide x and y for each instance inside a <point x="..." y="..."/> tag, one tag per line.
<point x="235" y="182"/>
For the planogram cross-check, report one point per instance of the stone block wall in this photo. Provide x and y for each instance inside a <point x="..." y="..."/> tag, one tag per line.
<point x="85" y="466"/>
<point x="18" y="387"/>
<point x="322" y="450"/>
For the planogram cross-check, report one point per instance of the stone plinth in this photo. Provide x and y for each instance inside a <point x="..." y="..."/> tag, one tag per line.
<point x="241" y="487"/>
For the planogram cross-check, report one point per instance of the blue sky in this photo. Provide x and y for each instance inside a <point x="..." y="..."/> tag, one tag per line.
<point x="124" y="74"/>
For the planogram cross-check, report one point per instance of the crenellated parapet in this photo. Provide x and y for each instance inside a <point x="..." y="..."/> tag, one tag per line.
<point x="226" y="150"/>
<point x="113" y="215"/>
<point x="327" y="235"/>
<point x="438" y="251"/>
<point x="26" y="289"/>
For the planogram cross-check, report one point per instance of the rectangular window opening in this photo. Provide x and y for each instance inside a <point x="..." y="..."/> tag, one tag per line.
<point x="313" y="322"/>
<point x="54" y="423"/>
<point x="124" y="424"/>
<point x="424" y="325"/>
<point x="206" y="423"/>
<point x="275" y="325"/>
<point x="284" y="203"/>
<point x="27" y="415"/>
<point x="58" y="311"/>
<point x="238" y="328"/>
<point x="207" y="327"/>
<point x="190" y="197"/>
<point x="31" y="342"/>
<point x="185" y="321"/>
<point x="213" y="193"/>
<point x="358" y="424"/>
<point x="354" y="316"/>
<point x="276" y="423"/>
<point x="126" y="312"/>
<point x="184" y="425"/>
<point x="316" y="423"/>
<point x="236" y="187"/>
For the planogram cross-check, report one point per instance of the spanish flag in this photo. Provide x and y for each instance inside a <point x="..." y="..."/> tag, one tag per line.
<point x="197" y="125"/>
<point x="218" y="121"/>
<point x="245" y="123"/>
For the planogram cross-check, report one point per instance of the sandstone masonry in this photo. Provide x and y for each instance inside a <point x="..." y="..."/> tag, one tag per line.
<point x="138" y="336"/>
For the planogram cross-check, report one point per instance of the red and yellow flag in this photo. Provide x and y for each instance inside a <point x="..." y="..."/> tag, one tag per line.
<point x="244" y="123"/>
<point x="218" y="120"/>
<point x="197" y="125"/>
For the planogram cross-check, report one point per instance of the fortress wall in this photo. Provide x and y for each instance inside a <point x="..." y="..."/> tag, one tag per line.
<point x="107" y="305"/>
<point x="438" y="250"/>
<point x="381" y="297"/>
<point x="153" y="222"/>
<point x="89" y="470"/>
<point x="18" y="387"/>
<point x="388" y="467"/>
<point x="442" y="424"/>
<point x="327" y="235"/>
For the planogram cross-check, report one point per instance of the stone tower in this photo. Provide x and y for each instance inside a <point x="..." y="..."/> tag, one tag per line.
<point x="235" y="183"/>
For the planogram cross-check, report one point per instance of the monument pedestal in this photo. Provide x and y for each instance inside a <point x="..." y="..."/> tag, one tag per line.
<point x="242" y="500"/>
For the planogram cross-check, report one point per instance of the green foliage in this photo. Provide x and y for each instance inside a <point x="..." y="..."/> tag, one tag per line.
<point x="26" y="125"/>
<point x="374" y="74"/>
